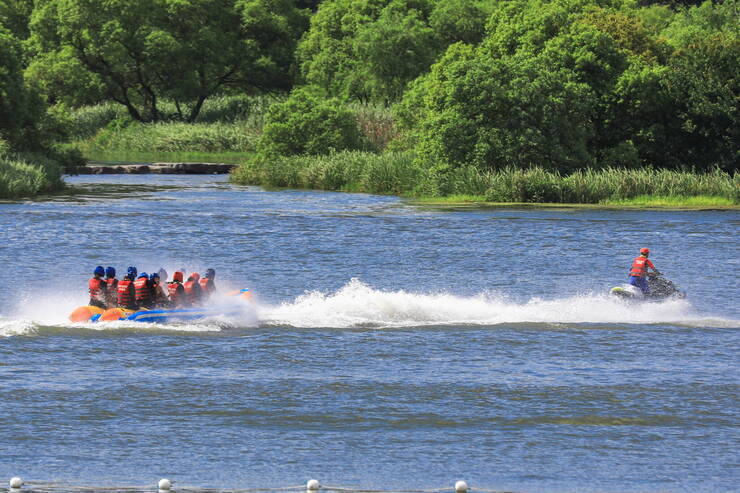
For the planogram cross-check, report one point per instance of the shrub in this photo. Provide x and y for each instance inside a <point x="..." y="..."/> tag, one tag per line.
<point x="307" y="123"/>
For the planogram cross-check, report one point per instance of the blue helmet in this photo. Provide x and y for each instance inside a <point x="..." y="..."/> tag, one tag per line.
<point x="110" y="272"/>
<point x="143" y="274"/>
<point x="210" y="273"/>
<point x="132" y="272"/>
<point x="154" y="275"/>
<point x="99" y="271"/>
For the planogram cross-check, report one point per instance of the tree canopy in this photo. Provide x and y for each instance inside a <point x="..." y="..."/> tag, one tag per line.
<point x="141" y="51"/>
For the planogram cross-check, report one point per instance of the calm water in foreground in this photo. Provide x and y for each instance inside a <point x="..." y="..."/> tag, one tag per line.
<point x="390" y="346"/>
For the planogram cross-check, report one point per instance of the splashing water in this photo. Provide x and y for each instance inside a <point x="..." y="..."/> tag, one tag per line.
<point x="359" y="305"/>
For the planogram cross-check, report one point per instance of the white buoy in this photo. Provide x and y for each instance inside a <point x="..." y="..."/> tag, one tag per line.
<point x="16" y="482"/>
<point x="165" y="484"/>
<point x="313" y="485"/>
<point x="461" y="487"/>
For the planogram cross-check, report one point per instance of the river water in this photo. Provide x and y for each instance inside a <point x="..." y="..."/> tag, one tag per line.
<point x="390" y="346"/>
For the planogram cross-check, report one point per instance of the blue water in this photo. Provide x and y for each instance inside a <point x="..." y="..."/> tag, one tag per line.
<point x="390" y="346"/>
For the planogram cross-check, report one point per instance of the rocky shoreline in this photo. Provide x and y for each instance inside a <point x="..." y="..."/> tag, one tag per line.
<point x="156" y="168"/>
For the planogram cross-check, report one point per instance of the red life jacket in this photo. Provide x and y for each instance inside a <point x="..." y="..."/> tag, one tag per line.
<point x="192" y="292"/>
<point x="126" y="294"/>
<point x="207" y="285"/>
<point x="176" y="292"/>
<point x="143" y="290"/>
<point x="640" y="266"/>
<point x="112" y="284"/>
<point x="97" y="288"/>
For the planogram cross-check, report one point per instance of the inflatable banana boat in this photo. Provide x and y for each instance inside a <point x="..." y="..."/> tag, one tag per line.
<point x="90" y="313"/>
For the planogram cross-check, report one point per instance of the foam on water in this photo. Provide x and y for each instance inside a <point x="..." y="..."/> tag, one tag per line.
<point x="358" y="305"/>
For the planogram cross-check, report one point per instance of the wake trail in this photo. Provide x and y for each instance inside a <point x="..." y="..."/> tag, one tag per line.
<point x="357" y="305"/>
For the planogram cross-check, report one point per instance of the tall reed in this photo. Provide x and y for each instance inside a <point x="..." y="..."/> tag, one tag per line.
<point x="401" y="173"/>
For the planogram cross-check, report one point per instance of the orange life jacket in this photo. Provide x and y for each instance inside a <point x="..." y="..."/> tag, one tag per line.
<point x="192" y="292"/>
<point x="97" y="288"/>
<point x="143" y="289"/>
<point x="176" y="292"/>
<point x="640" y="266"/>
<point x="126" y="294"/>
<point x="207" y="285"/>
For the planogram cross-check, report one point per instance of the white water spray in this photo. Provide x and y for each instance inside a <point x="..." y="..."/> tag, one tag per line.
<point x="358" y="305"/>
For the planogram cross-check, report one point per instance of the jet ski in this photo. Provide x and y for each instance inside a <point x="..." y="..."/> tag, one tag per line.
<point x="660" y="289"/>
<point x="158" y="315"/>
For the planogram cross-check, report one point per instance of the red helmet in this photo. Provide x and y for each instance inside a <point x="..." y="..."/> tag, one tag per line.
<point x="195" y="276"/>
<point x="644" y="251"/>
<point x="177" y="276"/>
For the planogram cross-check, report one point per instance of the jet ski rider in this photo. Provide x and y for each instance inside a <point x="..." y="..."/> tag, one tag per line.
<point x="639" y="270"/>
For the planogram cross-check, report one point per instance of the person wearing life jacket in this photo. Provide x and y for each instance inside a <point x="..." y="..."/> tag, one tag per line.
<point x="126" y="292"/>
<point x="639" y="271"/>
<point x="98" y="289"/>
<point x="193" y="292"/>
<point x="207" y="284"/>
<point x="111" y="284"/>
<point x="143" y="291"/>
<point x="176" y="290"/>
<point x="159" y="297"/>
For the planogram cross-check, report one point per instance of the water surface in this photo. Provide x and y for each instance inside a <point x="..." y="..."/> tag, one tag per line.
<point x="390" y="347"/>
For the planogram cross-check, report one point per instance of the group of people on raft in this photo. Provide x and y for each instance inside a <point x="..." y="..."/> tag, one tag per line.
<point x="139" y="290"/>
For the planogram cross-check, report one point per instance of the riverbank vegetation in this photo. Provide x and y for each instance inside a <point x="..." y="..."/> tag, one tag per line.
<point x="517" y="100"/>
<point x="401" y="173"/>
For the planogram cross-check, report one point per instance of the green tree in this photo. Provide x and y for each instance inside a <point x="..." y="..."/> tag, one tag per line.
<point x="184" y="50"/>
<point x="15" y="15"/>
<point x="20" y="108"/>
<point x="369" y="50"/>
<point x="493" y="112"/>
<point x="309" y="123"/>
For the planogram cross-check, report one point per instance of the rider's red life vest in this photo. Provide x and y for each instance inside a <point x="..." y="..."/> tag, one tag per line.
<point x="112" y="284"/>
<point x="207" y="285"/>
<point x="97" y="288"/>
<point x="143" y="289"/>
<point x="126" y="294"/>
<point x="192" y="292"/>
<point x="176" y="292"/>
<point x="640" y="266"/>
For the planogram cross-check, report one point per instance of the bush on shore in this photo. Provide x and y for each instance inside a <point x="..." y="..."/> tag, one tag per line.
<point x="401" y="173"/>
<point x="309" y="123"/>
<point x="28" y="175"/>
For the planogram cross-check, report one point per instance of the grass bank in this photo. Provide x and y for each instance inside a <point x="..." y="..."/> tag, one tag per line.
<point x="226" y="130"/>
<point x="28" y="174"/>
<point x="399" y="173"/>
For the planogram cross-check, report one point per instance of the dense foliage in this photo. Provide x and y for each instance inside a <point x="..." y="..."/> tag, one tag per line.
<point x="567" y="85"/>
<point x="139" y="53"/>
<point x="482" y="85"/>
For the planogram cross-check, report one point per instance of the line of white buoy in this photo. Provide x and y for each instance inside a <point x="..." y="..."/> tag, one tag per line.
<point x="165" y="486"/>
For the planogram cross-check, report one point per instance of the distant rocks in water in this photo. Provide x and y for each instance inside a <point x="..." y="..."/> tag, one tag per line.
<point x="157" y="168"/>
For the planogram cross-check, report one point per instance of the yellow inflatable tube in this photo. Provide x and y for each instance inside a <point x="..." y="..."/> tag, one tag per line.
<point x="85" y="313"/>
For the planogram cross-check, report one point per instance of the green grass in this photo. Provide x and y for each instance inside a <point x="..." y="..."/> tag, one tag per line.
<point x="173" y="137"/>
<point x="126" y="157"/>
<point x="351" y="171"/>
<point x="675" y="201"/>
<point x="401" y="174"/>
<point x="27" y="175"/>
